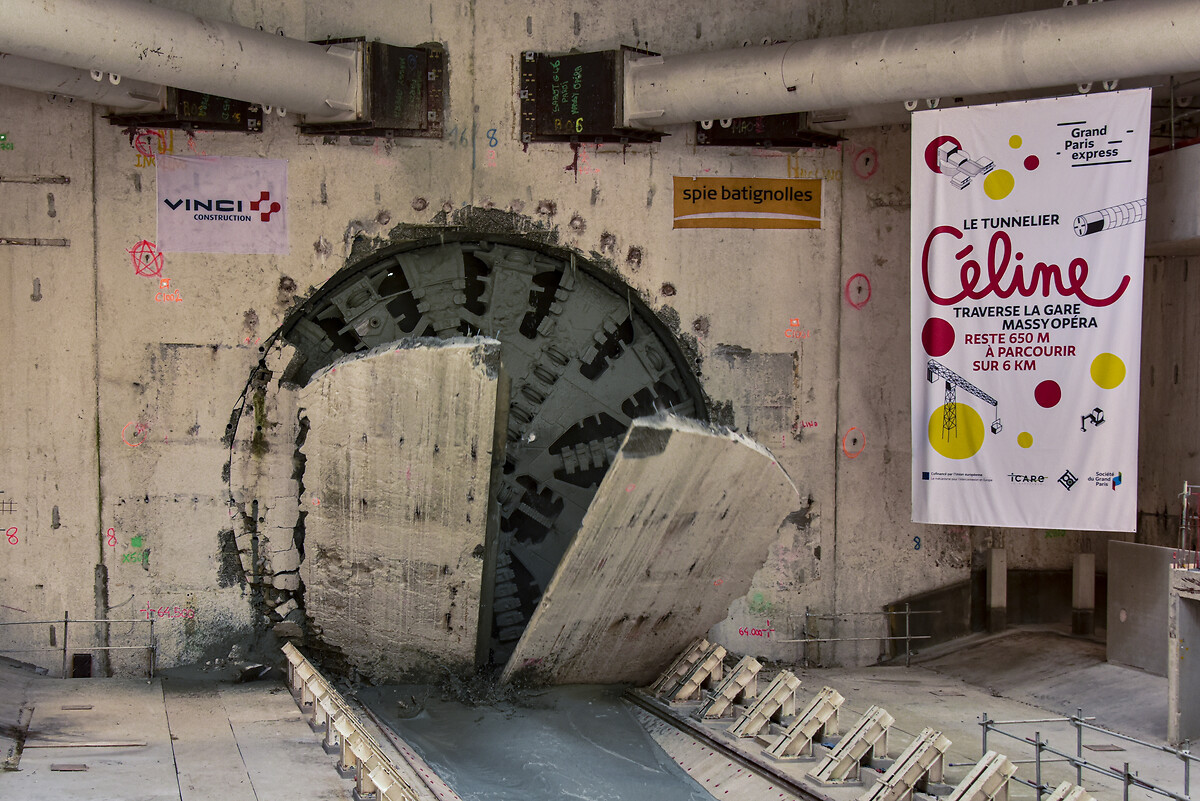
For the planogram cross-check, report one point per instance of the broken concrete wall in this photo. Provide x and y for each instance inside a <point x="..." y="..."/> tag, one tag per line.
<point x="682" y="521"/>
<point x="91" y="354"/>
<point x="397" y="468"/>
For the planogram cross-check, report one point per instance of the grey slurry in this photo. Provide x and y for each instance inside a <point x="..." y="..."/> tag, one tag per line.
<point x="565" y="742"/>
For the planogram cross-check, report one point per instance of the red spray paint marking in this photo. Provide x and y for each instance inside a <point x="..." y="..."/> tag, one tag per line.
<point x="12" y="536"/>
<point x="142" y="144"/>
<point x="112" y="537"/>
<point x="859" y="283"/>
<point x="147" y="261"/>
<point x="866" y="163"/>
<point x="141" y="429"/>
<point x="749" y="632"/>
<point x="860" y="450"/>
<point x="168" y="612"/>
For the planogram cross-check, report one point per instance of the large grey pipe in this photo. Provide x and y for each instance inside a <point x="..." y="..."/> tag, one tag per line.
<point x="1032" y="50"/>
<point x="848" y="118"/>
<point x="137" y="40"/>
<point x="39" y="76"/>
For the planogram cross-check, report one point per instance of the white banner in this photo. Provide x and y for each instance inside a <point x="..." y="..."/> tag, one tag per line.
<point x="209" y="204"/>
<point x="1028" y="240"/>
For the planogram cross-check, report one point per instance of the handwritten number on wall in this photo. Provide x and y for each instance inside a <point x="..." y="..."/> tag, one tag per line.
<point x="916" y="543"/>
<point x="12" y="536"/>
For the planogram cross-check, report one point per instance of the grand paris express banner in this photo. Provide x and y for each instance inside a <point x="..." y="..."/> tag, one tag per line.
<point x="1028" y="239"/>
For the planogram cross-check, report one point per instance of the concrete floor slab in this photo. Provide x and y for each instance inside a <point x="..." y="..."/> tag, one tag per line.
<point x="280" y="751"/>
<point x="1061" y="673"/>
<point x="681" y="522"/>
<point x="204" y="740"/>
<point x="121" y="711"/>
<point x="206" y="751"/>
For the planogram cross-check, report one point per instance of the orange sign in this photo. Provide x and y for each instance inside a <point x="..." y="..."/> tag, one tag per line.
<point x="747" y="203"/>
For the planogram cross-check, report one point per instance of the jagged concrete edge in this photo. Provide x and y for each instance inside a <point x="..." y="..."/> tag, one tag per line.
<point x="408" y="343"/>
<point x="671" y="422"/>
<point x="662" y="421"/>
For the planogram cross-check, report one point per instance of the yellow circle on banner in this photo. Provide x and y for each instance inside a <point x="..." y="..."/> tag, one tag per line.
<point x="998" y="184"/>
<point x="1108" y="371"/>
<point x="1025" y="439"/>
<point x="963" y="440"/>
<point x="1014" y="141"/>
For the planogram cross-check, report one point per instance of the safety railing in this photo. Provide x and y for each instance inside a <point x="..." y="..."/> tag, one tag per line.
<point x="807" y="635"/>
<point x="1127" y="777"/>
<point x="374" y="774"/>
<point x="1189" y="527"/>
<point x="67" y="620"/>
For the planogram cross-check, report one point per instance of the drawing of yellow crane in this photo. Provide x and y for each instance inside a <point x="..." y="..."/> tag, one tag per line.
<point x="953" y="383"/>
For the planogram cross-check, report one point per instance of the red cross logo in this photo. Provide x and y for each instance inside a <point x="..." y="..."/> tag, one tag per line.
<point x="263" y="197"/>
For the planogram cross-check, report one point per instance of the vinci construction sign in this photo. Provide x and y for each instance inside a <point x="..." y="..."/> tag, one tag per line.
<point x="747" y="203"/>
<point x="222" y="205"/>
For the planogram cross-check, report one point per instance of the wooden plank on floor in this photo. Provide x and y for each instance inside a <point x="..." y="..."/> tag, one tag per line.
<point x="123" y="711"/>
<point x="97" y="744"/>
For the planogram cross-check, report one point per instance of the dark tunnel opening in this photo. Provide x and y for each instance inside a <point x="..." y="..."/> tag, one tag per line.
<point x="584" y="354"/>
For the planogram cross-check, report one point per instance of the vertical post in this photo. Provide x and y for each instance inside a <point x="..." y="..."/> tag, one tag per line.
<point x="1125" y="781"/>
<point x="806" y="636"/>
<point x="984" y="724"/>
<point x="66" y="617"/>
<point x="1183" y="517"/>
<point x="907" y="635"/>
<point x="997" y="590"/>
<point x="1083" y="595"/>
<point x="1037" y="762"/>
<point x="1171" y="80"/>
<point x="1185" y="752"/>
<point x="1079" y="745"/>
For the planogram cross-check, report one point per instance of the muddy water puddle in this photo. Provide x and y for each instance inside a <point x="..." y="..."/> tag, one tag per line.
<point x="566" y="742"/>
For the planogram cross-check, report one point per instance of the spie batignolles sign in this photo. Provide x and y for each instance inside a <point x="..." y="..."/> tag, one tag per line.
<point x="209" y="204"/>
<point x="1028" y="240"/>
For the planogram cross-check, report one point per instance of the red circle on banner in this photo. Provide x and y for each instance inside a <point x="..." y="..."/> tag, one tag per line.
<point x="1047" y="394"/>
<point x="937" y="337"/>
<point x="931" y="150"/>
